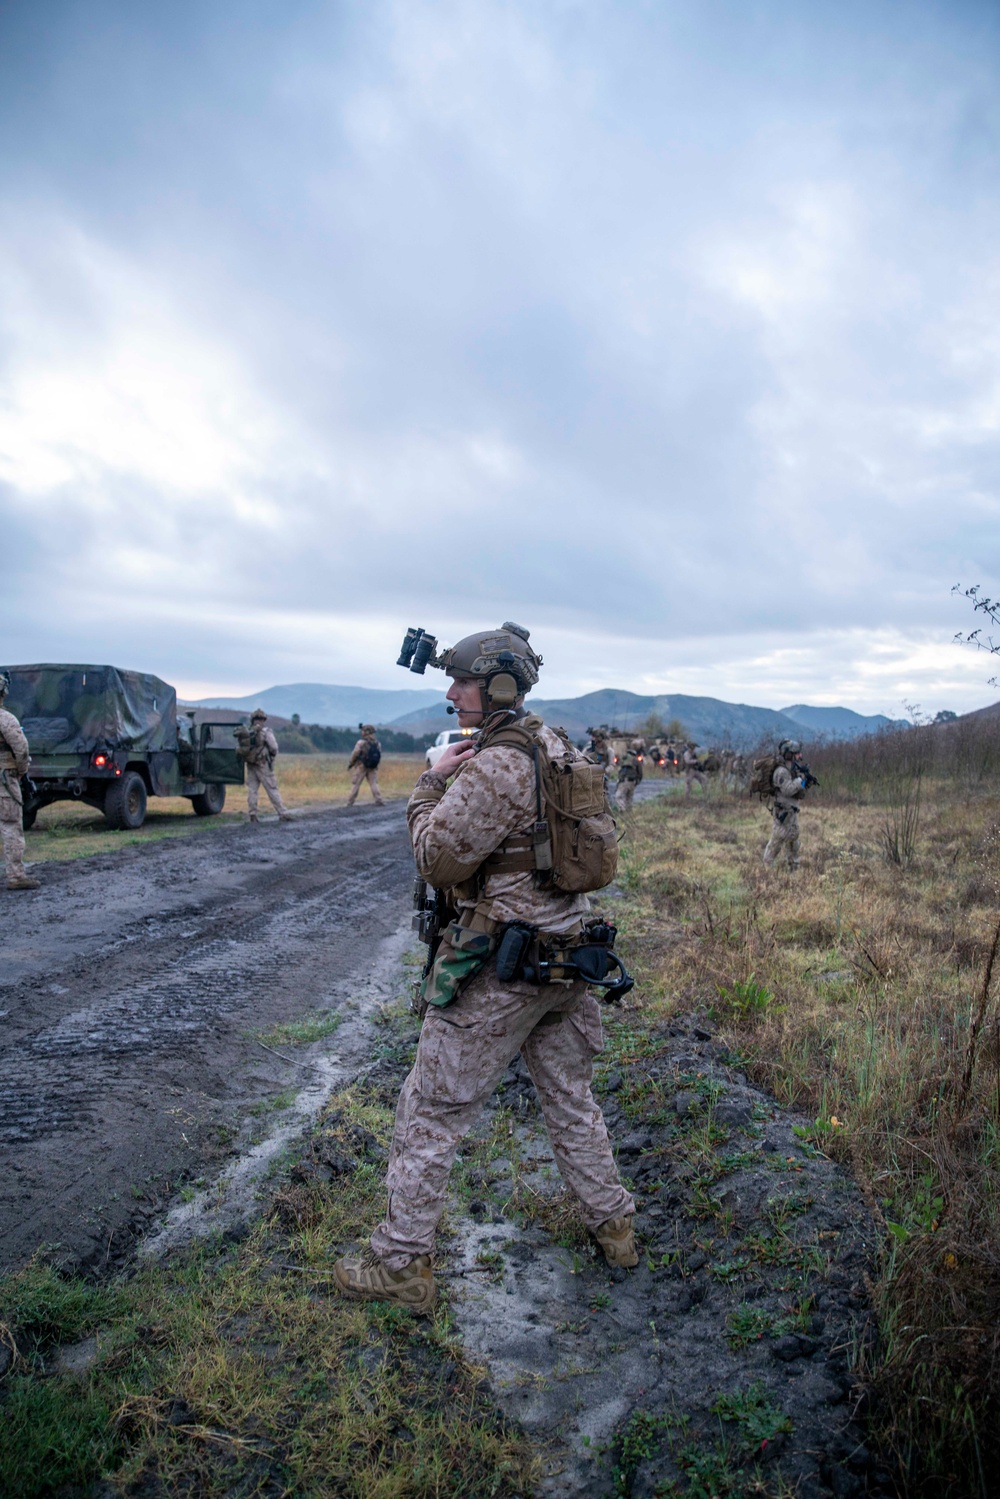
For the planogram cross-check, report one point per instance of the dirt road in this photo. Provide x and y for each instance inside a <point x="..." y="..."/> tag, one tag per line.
<point x="130" y="991"/>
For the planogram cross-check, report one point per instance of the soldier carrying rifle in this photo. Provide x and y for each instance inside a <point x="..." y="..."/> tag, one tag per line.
<point x="786" y="785"/>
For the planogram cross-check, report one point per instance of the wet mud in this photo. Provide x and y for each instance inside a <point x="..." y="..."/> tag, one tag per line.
<point x="729" y="1355"/>
<point x="133" y="988"/>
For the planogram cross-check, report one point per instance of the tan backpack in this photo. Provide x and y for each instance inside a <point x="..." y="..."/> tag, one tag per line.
<point x="762" y="776"/>
<point x="574" y="841"/>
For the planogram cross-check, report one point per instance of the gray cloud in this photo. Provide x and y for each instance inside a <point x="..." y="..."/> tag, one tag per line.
<point x="669" y="329"/>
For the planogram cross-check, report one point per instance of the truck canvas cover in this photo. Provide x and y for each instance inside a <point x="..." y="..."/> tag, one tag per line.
<point x="79" y="709"/>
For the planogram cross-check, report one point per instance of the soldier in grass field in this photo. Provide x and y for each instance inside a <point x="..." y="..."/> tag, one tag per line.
<point x="629" y="775"/>
<point x="790" y="780"/>
<point x="13" y="765"/>
<point x="692" y="769"/>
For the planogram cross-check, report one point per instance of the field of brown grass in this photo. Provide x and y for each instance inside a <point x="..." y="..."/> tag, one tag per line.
<point x="68" y="830"/>
<point x="858" y="990"/>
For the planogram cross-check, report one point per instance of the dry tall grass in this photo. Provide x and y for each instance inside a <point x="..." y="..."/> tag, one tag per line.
<point x="861" y="990"/>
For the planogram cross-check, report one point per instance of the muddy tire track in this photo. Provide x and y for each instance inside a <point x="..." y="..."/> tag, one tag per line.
<point x="128" y="986"/>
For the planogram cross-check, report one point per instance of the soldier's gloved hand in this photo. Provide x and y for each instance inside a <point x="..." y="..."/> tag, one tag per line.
<point x="452" y="758"/>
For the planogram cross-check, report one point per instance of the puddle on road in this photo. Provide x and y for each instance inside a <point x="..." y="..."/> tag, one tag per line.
<point x="232" y="1197"/>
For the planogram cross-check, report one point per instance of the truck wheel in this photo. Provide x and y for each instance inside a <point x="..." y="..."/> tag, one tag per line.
<point x="125" y="803"/>
<point x="211" y="801"/>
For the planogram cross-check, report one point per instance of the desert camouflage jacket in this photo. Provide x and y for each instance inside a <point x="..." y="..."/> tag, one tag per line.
<point x="788" y="789"/>
<point x="265" y="751"/>
<point x="358" y="752"/>
<point x="13" y="745"/>
<point x="455" y="828"/>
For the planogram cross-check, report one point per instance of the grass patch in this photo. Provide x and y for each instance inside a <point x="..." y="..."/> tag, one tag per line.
<point x="312" y="1027"/>
<point x="237" y="1369"/>
<point x="859" y="991"/>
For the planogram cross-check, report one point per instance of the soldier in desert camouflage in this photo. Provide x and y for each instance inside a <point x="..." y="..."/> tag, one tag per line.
<point x="13" y="765"/>
<point x="692" y="769"/>
<point x="788" y="786"/>
<point x="629" y="775"/>
<point x="457" y="831"/>
<point x="259" y="749"/>
<point x="364" y="763"/>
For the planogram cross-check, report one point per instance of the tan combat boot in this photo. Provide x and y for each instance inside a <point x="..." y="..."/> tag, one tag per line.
<point x="252" y="817"/>
<point x="365" y="1277"/>
<point x="24" y="882"/>
<point x="617" y="1238"/>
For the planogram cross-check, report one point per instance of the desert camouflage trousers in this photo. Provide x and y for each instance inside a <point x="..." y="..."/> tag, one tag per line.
<point x="690" y="776"/>
<point x="624" y="795"/>
<point x="362" y="773"/>
<point x="263" y="775"/>
<point x="464" y="1051"/>
<point x="784" y="839"/>
<point x="13" y="837"/>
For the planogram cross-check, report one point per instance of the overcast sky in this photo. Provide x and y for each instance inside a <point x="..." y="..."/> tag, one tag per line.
<point x="670" y="329"/>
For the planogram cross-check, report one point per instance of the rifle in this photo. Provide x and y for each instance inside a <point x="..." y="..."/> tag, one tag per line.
<point x="430" y="914"/>
<point x="808" y="779"/>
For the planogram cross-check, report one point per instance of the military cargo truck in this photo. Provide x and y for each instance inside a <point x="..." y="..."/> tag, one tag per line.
<point x="113" y="738"/>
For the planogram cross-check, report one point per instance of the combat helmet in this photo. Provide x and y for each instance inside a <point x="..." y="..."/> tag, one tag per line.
<point x="501" y="659"/>
<point x="367" y="729"/>
<point x="789" y="747"/>
<point x="258" y="716"/>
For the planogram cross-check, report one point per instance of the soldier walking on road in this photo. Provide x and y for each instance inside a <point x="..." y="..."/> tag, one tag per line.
<point x="789" y="783"/>
<point x="13" y="765"/>
<point x="259" y="749"/>
<point x="364" y="762"/>
<point x="692" y="769"/>
<point x="629" y="776"/>
<point x="475" y="841"/>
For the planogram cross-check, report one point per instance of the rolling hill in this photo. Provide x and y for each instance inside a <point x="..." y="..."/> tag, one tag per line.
<point x="318" y="702"/>
<point x="709" y="720"/>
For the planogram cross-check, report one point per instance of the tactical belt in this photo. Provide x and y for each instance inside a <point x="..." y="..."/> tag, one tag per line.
<point x="525" y="954"/>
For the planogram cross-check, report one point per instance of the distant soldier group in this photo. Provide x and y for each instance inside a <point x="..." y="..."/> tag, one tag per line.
<point x="781" y="780"/>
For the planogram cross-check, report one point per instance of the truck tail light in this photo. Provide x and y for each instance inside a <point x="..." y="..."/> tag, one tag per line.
<point x="100" y="761"/>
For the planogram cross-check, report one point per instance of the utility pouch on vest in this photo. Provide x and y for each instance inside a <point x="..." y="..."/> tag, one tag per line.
<point x="513" y="950"/>
<point x="461" y="955"/>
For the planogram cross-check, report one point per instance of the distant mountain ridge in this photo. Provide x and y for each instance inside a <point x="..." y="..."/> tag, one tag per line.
<point x="841" y="723"/>
<point x="709" y="720"/>
<point x="319" y="702"/>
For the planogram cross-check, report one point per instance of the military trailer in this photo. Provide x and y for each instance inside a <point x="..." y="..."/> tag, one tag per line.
<point x="113" y="738"/>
